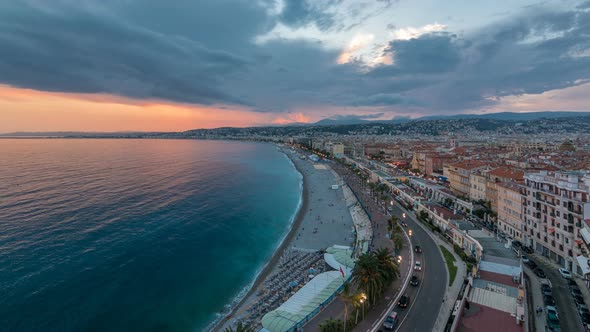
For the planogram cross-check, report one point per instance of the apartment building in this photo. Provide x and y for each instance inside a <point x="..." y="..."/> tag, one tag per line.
<point x="459" y="173"/>
<point x="434" y="163"/>
<point x="477" y="189"/>
<point x="556" y="208"/>
<point x="510" y="206"/>
<point x="500" y="175"/>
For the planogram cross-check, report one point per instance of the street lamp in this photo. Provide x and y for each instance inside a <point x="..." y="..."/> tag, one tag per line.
<point x="399" y="259"/>
<point x="410" y="232"/>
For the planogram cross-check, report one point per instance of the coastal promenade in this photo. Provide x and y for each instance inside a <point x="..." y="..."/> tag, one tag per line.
<point x="378" y="216"/>
<point x="322" y="221"/>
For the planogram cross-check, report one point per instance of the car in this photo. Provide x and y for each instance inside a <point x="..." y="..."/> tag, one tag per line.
<point x="575" y="292"/>
<point x="579" y="299"/>
<point x="524" y="259"/>
<point x="516" y="244"/>
<point x="414" y="281"/>
<point x="418" y="249"/>
<point x="418" y="266"/>
<point x="528" y="250"/>
<point x="539" y="272"/>
<point x="404" y="301"/>
<point x="547" y="291"/>
<point x="583" y="310"/>
<point x="551" y="310"/>
<point x="585" y="318"/>
<point x="552" y="318"/>
<point x="532" y="264"/>
<point x="548" y="300"/>
<point x="545" y="287"/>
<point x="404" y="224"/>
<point x="565" y="273"/>
<point x="391" y="321"/>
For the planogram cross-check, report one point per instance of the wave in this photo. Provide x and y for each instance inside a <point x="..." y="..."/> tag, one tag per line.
<point x="237" y="299"/>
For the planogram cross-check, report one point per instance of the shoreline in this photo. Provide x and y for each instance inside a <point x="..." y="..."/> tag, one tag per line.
<point x="274" y="260"/>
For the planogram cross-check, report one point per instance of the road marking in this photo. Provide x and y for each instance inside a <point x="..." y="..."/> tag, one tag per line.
<point x="415" y="298"/>
<point x="404" y="286"/>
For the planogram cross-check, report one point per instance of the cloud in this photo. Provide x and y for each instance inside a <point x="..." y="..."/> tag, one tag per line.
<point x="292" y="118"/>
<point x="75" y="49"/>
<point x="299" y="13"/>
<point x="381" y="99"/>
<point x="357" y="116"/>
<point x="411" y="32"/>
<point x="214" y="52"/>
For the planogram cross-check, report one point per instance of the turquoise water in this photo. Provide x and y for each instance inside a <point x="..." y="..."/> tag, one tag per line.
<point x="135" y="235"/>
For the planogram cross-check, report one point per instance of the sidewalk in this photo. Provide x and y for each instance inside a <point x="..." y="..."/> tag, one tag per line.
<point x="537" y="297"/>
<point x="379" y="225"/>
<point x="452" y="291"/>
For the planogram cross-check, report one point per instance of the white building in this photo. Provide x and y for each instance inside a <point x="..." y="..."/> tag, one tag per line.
<point x="556" y="210"/>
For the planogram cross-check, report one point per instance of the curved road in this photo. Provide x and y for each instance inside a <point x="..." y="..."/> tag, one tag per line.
<point x="426" y="299"/>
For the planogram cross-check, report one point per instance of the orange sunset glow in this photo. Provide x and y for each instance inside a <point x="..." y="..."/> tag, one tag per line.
<point x="32" y="110"/>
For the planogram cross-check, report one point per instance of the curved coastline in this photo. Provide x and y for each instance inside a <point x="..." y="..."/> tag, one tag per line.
<point x="240" y="299"/>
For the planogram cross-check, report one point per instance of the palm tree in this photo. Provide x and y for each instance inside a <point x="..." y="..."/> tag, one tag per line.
<point x="331" y="325"/>
<point x="398" y="241"/>
<point x="387" y="265"/>
<point x="348" y="297"/>
<point x="366" y="275"/>
<point x="240" y="328"/>
<point x="392" y="222"/>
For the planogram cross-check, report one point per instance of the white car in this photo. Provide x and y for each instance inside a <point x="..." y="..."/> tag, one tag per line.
<point x="565" y="273"/>
<point x="418" y="266"/>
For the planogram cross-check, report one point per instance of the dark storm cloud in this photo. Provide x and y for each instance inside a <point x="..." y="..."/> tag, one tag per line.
<point x="530" y="54"/>
<point x="80" y="50"/>
<point x="298" y="13"/>
<point x="381" y="99"/>
<point x="204" y="52"/>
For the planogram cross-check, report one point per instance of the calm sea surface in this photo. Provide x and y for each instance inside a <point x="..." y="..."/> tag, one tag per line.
<point x="135" y="235"/>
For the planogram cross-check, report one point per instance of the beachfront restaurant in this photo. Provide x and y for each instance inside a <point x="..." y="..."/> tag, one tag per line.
<point x="305" y="304"/>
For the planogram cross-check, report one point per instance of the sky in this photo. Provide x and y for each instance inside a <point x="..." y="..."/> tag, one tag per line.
<point x="154" y="65"/>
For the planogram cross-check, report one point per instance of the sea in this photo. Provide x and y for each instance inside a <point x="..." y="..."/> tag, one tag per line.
<point x="136" y="235"/>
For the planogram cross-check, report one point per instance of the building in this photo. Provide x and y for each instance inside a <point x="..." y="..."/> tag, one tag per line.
<point x="556" y="209"/>
<point x="494" y="300"/>
<point x="335" y="149"/>
<point x="459" y="173"/>
<point x="434" y="163"/>
<point x="500" y="175"/>
<point x="477" y="189"/>
<point x="510" y="209"/>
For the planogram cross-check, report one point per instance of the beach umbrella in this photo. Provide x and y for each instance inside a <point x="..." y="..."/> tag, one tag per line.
<point x="312" y="271"/>
<point x="293" y="283"/>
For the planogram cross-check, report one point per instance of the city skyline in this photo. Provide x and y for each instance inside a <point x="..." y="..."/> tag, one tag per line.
<point x="148" y="66"/>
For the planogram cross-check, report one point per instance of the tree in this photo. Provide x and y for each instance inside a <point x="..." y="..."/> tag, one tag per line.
<point x="349" y="298"/>
<point x="392" y="222"/>
<point x="398" y="241"/>
<point x="332" y="325"/>
<point x="424" y="215"/>
<point x="240" y="328"/>
<point x="367" y="277"/>
<point x="387" y="264"/>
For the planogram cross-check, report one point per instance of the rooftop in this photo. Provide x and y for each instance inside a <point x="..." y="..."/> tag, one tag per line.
<point x="485" y="319"/>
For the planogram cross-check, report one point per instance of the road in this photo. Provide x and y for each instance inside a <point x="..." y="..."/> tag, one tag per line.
<point x="426" y="299"/>
<point x="566" y="308"/>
